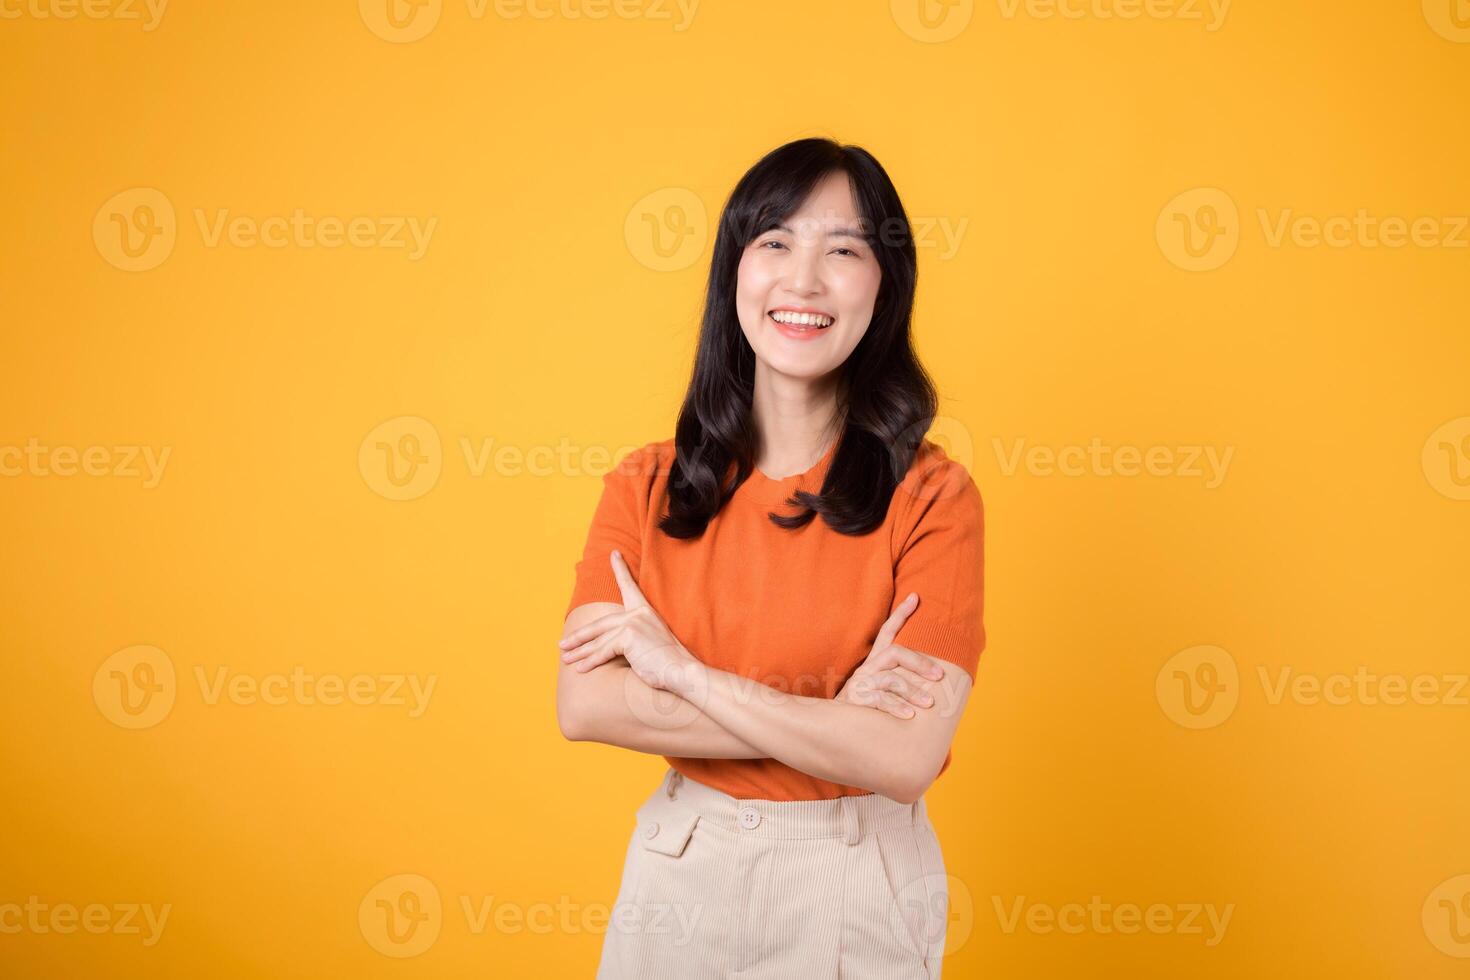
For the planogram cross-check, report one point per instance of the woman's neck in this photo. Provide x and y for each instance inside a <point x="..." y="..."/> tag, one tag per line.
<point x="797" y="423"/>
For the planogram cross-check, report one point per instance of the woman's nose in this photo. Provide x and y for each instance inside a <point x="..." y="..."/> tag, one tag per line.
<point x="806" y="273"/>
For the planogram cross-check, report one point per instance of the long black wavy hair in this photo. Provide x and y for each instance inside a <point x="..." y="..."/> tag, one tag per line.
<point x="886" y="400"/>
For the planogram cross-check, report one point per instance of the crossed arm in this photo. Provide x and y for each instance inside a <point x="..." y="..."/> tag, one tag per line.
<point x="611" y="704"/>
<point x="703" y="712"/>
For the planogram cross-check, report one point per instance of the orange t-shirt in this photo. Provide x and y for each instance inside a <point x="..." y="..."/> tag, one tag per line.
<point x="796" y="610"/>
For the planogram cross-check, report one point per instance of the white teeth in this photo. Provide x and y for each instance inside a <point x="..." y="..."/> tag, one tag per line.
<point x="802" y="319"/>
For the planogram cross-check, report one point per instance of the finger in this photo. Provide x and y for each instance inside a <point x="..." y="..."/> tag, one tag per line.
<point x="916" y="681"/>
<point x="581" y="652"/>
<point x="601" y="653"/>
<point x="919" y="663"/>
<point x="632" y="595"/>
<point x="591" y="663"/>
<point x="894" y="705"/>
<point x="588" y="631"/>
<point x="895" y="620"/>
<point x="868" y="696"/>
<point x="879" y="658"/>
<point x="896" y="681"/>
<point x="589" y="649"/>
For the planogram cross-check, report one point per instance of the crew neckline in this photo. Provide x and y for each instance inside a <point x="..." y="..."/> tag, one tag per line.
<point x="771" y="490"/>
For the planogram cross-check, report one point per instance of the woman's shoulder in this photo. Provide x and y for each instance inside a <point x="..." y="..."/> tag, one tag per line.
<point x="936" y="478"/>
<point x="646" y="463"/>
<point x="933" y="462"/>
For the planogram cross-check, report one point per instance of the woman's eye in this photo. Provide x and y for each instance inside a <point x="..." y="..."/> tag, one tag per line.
<point x="772" y="242"/>
<point x="847" y="251"/>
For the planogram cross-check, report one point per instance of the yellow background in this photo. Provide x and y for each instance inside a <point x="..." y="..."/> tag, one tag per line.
<point x="539" y="317"/>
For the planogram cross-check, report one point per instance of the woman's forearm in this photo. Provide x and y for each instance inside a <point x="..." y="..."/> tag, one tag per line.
<point x="610" y="704"/>
<point x="833" y="740"/>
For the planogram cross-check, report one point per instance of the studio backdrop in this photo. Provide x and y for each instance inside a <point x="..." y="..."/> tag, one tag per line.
<point x="320" y="324"/>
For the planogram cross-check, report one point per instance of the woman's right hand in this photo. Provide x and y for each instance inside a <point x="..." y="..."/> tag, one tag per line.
<point x="893" y="678"/>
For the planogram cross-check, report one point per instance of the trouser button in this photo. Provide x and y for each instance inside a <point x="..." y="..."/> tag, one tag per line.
<point x="750" y="817"/>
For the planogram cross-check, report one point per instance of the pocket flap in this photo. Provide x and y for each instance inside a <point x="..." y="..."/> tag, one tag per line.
<point x="667" y="829"/>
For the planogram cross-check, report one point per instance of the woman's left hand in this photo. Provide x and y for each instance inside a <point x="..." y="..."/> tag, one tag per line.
<point x="637" y="634"/>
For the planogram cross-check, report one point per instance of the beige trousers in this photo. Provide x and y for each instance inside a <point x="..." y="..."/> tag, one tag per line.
<point x="717" y="887"/>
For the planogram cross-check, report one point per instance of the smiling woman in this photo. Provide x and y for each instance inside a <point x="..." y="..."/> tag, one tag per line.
<point x="794" y="820"/>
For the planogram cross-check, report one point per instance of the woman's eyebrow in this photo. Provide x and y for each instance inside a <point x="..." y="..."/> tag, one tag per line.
<point x="832" y="232"/>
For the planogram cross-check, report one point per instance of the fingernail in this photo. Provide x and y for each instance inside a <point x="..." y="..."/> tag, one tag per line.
<point x="562" y="643"/>
<point x="913" y="597"/>
<point x="617" y="553"/>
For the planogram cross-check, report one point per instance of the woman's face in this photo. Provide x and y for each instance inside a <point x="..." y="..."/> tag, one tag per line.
<point x="818" y="263"/>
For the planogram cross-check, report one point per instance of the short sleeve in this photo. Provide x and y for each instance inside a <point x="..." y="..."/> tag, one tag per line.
<point x="940" y="542"/>
<point x="618" y="522"/>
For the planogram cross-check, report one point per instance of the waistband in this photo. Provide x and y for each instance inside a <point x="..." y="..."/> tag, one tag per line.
<point x="848" y="817"/>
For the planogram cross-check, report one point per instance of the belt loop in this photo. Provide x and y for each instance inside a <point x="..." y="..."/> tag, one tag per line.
<point x="850" y="819"/>
<point x="675" y="778"/>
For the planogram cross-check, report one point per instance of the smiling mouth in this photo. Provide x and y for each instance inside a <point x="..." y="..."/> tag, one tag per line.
<point x="801" y="322"/>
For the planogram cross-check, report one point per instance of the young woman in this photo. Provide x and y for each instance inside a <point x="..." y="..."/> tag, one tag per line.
<point x="785" y="601"/>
